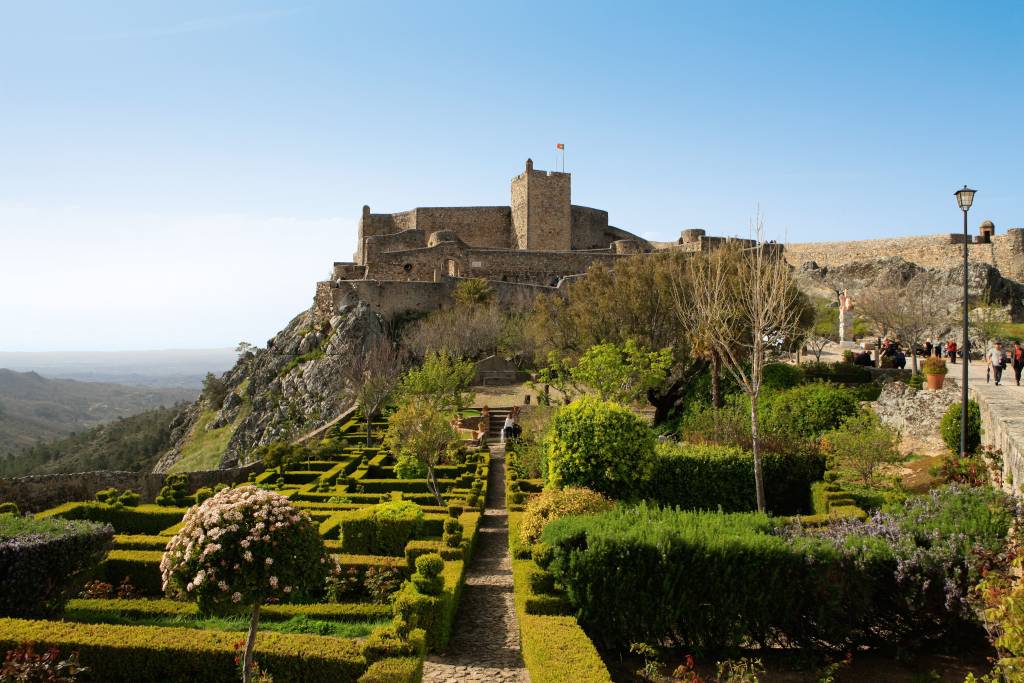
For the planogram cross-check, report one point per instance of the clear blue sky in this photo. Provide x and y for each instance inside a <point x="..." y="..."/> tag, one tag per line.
<point x="179" y="174"/>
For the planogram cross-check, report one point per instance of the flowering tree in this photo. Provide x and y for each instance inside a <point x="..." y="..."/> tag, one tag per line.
<point x="241" y="548"/>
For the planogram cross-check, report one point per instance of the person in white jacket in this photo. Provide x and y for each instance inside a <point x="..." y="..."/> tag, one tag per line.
<point x="506" y="429"/>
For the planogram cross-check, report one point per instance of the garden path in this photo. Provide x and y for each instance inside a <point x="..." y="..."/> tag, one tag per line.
<point x="485" y="638"/>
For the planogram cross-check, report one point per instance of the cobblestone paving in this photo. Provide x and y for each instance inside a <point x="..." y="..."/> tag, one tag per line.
<point x="485" y="640"/>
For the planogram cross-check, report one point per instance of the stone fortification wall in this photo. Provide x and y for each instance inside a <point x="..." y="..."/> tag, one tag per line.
<point x="1005" y="252"/>
<point x="478" y="226"/>
<point x="38" y="492"/>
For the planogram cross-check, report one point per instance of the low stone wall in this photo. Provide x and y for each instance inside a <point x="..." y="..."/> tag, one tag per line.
<point x="1002" y="427"/>
<point x="39" y="492"/>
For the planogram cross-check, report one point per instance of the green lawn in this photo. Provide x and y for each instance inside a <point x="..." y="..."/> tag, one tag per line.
<point x="299" y="624"/>
<point x="205" y="446"/>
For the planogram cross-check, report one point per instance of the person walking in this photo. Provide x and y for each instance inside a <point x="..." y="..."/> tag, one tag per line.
<point x="997" y="360"/>
<point x="951" y="351"/>
<point x="1017" y="359"/>
<point x="506" y="429"/>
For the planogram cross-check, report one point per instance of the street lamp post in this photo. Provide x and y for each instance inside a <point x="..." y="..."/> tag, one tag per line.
<point x="964" y="198"/>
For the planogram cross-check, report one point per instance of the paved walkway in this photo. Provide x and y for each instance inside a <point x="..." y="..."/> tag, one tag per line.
<point x="485" y="639"/>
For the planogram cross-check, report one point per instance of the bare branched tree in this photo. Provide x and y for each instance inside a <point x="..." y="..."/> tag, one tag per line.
<point x="741" y="301"/>
<point x="909" y="316"/>
<point x="372" y="377"/>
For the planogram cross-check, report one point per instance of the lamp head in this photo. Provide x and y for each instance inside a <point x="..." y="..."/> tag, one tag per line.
<point x="965" y="197"/>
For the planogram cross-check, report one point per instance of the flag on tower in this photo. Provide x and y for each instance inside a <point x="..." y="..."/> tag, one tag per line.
<point x="559" y="146"/>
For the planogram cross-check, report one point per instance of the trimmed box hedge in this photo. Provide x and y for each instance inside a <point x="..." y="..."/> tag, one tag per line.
<point x="394" y="670"/>
<point x="140" y="542"/>
<point x="140" y="567"/>
<point x="142" y="519"/>
<point x="128" y="654"/>
<point x="434" y="614"/>
<point x="708" y="477"/>
<point x="43" y="562"/>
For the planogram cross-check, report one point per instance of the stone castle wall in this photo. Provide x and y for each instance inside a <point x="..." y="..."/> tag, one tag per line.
<point x="1005" y="252"/>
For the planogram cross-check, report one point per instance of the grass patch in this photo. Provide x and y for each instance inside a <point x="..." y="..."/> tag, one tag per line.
<point x="297" y="624"/>
<point x="205" y="446"/>
<point x="12" y="526"/>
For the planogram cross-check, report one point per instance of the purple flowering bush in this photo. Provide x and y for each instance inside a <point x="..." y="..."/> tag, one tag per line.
<point x="242" y="548"/>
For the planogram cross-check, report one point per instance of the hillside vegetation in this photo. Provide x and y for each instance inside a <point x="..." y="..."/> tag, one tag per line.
<point x="34" y="408"/>
<point x="130" y="443"/>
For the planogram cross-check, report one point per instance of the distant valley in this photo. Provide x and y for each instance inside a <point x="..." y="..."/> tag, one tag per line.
<point x="34" y="408"/>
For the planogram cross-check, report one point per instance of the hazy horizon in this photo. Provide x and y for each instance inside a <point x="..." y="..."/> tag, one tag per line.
<point x="179" y="176"/>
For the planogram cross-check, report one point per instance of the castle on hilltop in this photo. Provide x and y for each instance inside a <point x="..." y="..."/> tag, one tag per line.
<point x="411" y="260"/>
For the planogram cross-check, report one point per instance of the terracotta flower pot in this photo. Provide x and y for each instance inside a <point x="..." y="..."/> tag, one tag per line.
<point x="935" y="381"/>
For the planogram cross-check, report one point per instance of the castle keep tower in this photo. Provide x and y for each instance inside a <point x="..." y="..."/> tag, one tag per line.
<point x="541" y="210"/>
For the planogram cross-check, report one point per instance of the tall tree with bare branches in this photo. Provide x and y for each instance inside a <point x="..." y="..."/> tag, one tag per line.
<point x="911" y="317"/>
<point x="741" y="300"/>
<point x="372" y="377"/>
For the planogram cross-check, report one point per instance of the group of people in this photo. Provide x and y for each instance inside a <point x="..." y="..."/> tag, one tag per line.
<point x="948" y="349"/>
<point x="997" y="359"/>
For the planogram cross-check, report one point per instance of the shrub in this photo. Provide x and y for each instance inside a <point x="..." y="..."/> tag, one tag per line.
<point x="9" y="509"/>
<point x="381" y="529"/>
<point x="599" y="445"/>
<point x="427" y="578"/>
<point x="552" y="504"/>
<point x="809" y="410"/>
<point x="44" y="562"/>
<point x="202" y="494"/>
<point x="24" y="665"/>
<point x="862" y="445"/>
<point x="245" y="547"/>
<point x="949" y="427"/>
<point x="897" y="578"/>
<point x="174" y="492"/>
<point x="129" y="499"/>
<point x="781" y="376"/>
<point x="144" y="519"/>
<point x="933" y="365"/>
<point x="121" y="654"/>
<point x="916" y="381"/>
<point x="840" y="373"/>
<point x="452" y="533"/>
<point x="380" y="582"/>
<point x="708" y="477"/>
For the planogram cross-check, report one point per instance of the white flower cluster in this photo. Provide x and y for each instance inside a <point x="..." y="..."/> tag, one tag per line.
<point x="225" y="548"/>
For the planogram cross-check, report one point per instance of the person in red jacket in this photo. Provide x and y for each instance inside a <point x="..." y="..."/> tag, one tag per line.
<point x="1017" y="359"/>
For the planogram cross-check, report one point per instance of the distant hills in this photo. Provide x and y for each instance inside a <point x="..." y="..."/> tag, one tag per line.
<point x="34" y="408"/>
<point x="131" y="443"/>
<point x="182" y="368"/>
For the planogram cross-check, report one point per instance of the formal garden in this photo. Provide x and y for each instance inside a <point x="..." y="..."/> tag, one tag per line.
<point x="642" y="551"/>
<point x="684" y="503"/>
<point x="342" y="561"/>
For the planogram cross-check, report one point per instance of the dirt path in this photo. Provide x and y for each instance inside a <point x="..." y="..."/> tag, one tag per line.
<point x="485" y="640"/>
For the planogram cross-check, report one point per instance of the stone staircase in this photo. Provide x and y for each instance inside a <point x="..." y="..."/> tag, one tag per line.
<point x="498" y="416"/>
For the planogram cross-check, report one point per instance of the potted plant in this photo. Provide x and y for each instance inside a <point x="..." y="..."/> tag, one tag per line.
<point x="935" y="371"/>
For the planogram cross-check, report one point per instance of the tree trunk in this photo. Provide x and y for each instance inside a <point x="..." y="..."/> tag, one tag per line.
<point x="755" y="439"/>
<point x="716" y="380"/>
<point x="667" y="400"/>
<point x="432" y="485"/>
<point x="250" y="644"/>
<point x="369" y="439"/>
<point x="913" y="357"/>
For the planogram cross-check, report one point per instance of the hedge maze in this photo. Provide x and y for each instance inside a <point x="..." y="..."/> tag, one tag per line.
<point x="375" y="622"/>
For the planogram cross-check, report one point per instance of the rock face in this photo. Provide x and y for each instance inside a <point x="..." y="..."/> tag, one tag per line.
<point x="916" y="413"/>
<point x="896" y="272"/>
<point x="293" y="386"/>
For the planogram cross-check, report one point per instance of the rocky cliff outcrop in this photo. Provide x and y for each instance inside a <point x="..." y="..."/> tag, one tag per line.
<point x="292" y="386"/>
<point x="984" y="281"/>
